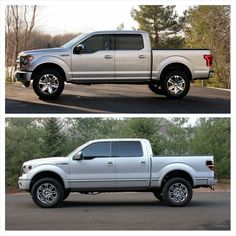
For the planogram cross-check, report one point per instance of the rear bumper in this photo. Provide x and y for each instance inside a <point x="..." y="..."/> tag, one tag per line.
<point x="207" y="76"/>
<point x="23" y="76"/>
<point x="212" y="181"/>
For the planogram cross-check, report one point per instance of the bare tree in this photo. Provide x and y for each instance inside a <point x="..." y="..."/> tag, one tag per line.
<point x="20" y="24"/>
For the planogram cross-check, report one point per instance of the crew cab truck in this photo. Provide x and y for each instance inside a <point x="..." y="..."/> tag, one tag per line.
<point x="111" y="165"/>
<point x="116" y="57"/>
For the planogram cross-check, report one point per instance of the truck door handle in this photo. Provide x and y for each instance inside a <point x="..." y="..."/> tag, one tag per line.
<point x="143" y="163"/>
<point x="108" y="56"/>
<point x="142" y="56"/>
<point x="109" y="163"/>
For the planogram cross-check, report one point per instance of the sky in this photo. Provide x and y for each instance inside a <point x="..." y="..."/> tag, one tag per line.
<point x="88" y="16"/>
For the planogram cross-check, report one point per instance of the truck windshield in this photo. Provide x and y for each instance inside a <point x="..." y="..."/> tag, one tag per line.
<point x="73" y="42"/>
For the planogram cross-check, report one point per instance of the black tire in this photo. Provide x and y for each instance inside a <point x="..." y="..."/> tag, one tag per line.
<point x="26" y="84"/>
<point x="177" y="192"/>
<point x="175" y="84"/>
<point x="48" y="84"/>
<point x="155" y="88"/>
<point x="66" y="194"/>
<point x="158" y="195"/>
<point x="47" y="193"/>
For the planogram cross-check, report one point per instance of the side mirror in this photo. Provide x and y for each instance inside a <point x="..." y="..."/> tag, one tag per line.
<point x="78" y="156"/>
<point x="79" y="49"/>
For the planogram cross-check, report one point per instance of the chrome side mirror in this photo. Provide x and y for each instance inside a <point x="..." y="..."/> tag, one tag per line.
<point x="78" y="156"/>
<point x="79" y="49"/>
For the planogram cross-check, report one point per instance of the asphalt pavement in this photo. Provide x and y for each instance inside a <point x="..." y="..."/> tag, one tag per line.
<point x="120" y="211"/>
<point x="115" y="99"/>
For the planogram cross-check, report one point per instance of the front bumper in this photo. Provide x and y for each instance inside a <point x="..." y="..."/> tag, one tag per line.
<point x="24" y="184"/>
<point x="23" y="76"/>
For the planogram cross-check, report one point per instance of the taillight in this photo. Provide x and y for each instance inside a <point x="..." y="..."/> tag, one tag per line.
<point x="208" y="59"/>
<point x="210" y="165"/>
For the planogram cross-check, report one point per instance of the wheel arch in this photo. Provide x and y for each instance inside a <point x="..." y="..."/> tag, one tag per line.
<point x="176" y="66"/>
<point x="176" y="173"/>
<point x="50" y="65"/>
<point x="48" y="174"/>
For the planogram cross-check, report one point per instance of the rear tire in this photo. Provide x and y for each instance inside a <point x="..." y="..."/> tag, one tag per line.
<point x="47" y="193"/>
<point x="155" y="88"/>
<point x="48" y="84"/>
<point x="158" y="195"/>
<point x="175" y="84"/>
<point x="177" y="192"/>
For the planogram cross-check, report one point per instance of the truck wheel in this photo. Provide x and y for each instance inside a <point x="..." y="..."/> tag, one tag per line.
<point x="175" y="84"/>
<point x="48" y="84"/>
<point x="66" y="194"/>
<point x="158" y="195"/>
<point x="177" y="192"/>
<point x="47" y="193"/>
<point x="155" y="88"/>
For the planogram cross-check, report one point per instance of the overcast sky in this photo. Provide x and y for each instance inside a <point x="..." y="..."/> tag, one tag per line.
<point x="90" y="16"/>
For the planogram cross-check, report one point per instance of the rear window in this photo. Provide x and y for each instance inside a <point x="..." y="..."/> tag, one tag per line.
<point x="128" y="42"/>
<point x="127" y="149"/>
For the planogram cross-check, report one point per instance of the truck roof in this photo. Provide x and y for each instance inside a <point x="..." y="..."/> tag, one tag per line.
<point x="118" y="32"/>
<point x="119" y="139"/>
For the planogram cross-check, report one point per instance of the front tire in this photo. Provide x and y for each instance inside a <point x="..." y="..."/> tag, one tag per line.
<point x="47" y="193"/>
<point x="175" y="84"/>
<point x="66" y="194"/>
<point x="48" y="84"/>
<point x="177" y="192"/>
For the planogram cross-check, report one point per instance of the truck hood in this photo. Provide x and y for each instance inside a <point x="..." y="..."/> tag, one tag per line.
<point x="48" y="160"/>
<point x="46" y="51"/>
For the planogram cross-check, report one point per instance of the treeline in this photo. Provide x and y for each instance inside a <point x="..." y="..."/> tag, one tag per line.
<point x="30" y="138"/>
<point x="206" y="26"/>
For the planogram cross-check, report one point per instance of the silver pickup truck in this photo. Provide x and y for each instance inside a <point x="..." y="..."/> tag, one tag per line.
<point x="111" y="165"/>
<point x="116" y="57"/>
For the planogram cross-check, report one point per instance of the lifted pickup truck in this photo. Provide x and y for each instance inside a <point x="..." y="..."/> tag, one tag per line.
<point x="111" y="165"/>
<point x="116" y="57"/>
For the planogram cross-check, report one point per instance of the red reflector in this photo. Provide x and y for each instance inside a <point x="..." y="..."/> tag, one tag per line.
<point x="208" y="59"/>
<point x="210" y="165"/>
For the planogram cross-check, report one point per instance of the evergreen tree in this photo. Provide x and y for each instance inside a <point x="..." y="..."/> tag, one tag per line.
<point x="161" y="22"/>
<point x="53" y="139"/>
<point x="209" y="27"/>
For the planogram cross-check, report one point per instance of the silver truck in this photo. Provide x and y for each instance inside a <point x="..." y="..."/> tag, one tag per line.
<point x="116" y="57"/>
<point x="111" y="165"/>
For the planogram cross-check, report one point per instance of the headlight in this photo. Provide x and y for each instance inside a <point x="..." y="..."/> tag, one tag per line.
<point x="25" y="169"/>
<point x="25" y="60"/>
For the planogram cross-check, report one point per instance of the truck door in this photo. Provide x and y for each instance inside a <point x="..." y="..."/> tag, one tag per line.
<point x="95" y="169"/>
<point x="132" y="58"/>
<point x="132" y="166"/>
<point x="95" y="61"/>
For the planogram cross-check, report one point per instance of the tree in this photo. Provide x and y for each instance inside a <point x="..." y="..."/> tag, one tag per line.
<point x="212" y="137"/>
<point x="161" y="22"/>
<point x="53" y="139"/>
<point x="20" y="23"/>
<point x="209" y="27"/>
<point x="120" y="27"/>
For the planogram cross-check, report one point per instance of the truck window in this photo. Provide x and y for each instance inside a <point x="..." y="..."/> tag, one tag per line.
<point x="128" y="42"/>
<point x="96" y="43"/>
<point x="127" y="149"/>
<point x="101" y="149"/>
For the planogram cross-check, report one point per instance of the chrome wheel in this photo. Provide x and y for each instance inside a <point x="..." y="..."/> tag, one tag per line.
<point x="48" y="84"/>
<point x="178" y="192"/>
<point x="176" y="84"/>
<point x="47" y="193"/>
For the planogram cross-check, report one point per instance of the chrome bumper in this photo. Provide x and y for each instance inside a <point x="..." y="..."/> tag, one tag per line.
<point x="23" y="184"/>
<point x="23" y="76"/>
